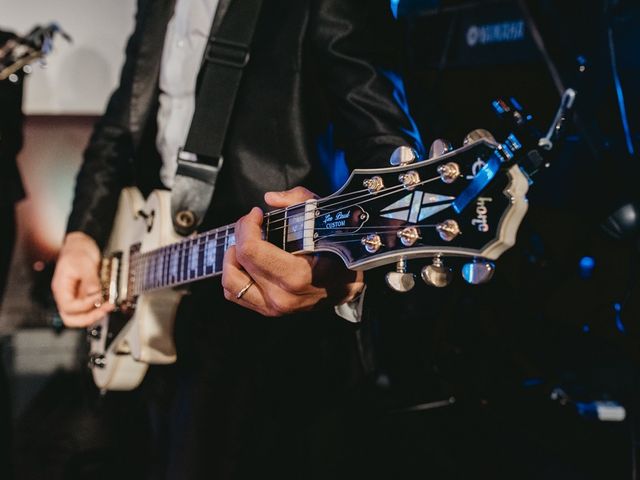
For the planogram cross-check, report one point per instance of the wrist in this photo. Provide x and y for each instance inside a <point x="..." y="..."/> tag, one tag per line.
<point x="80" y="241"/>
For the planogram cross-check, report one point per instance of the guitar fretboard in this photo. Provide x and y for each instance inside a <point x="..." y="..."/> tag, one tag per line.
<point x="201" y="256"/>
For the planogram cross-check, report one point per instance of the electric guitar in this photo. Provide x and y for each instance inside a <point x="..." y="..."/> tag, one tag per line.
<point x="462" y="205"/>
<point x="453" y="204"/>
<point x="18" y="53"/>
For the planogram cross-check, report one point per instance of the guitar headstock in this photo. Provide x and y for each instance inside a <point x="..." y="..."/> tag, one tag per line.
<point x="463" y="203"/>
<point x="466" y="203"/>
<point x="18" y="53"/>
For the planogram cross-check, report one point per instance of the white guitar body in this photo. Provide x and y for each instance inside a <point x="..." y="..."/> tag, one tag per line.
<point x="147" y="338"/>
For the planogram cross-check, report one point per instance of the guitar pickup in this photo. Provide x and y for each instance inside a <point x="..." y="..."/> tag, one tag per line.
<point x="110" y="277"/>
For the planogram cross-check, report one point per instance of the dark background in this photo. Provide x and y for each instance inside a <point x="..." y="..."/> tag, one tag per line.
<point x="549" y="323"/>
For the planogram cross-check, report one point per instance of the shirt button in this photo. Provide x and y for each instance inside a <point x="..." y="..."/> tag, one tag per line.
<point x="180" y="43"/>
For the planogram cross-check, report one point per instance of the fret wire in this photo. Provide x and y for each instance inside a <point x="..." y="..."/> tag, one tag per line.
<point x="180" y="257"/>
<point x="201" y="240"/>
<point x="193" y="259"/>
<point x="153" y="268"/>
<point x="181" y="262"/>
<point x="165" y="266"/>
<point x="166" y="254"/>
<point x="147" y="273"/>
<point x="161" y="268"/>
<point x="284" y="227"/>
<point x="154" y="261"/>
<point x="158" y="270"/>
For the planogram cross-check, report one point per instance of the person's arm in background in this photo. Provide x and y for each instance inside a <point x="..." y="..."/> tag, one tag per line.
<point x="353" y="42"/>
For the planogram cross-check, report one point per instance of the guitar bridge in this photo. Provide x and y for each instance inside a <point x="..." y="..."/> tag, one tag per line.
<point x="110" y="277"/>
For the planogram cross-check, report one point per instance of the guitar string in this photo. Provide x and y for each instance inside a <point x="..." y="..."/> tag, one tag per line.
<point x="154" y="269"/>
<point x="372" y="196"/>
<point x="284" y="209"/>
<point x="153" y="281"/>
<point x="377" y="194"/>
<point x="229" y="227"/>
<point x="304" y="229"/>
<point x="145" y="260"/>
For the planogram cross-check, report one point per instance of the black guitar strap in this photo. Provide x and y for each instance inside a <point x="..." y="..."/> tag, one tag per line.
<point x="225" y="56"/>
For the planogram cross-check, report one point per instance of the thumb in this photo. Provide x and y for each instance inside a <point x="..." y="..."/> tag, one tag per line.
<point x="288" y="197"/>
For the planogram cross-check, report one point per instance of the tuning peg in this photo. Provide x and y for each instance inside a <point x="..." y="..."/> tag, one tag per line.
<point x="479" y="134"/>
<point x="478" y="271"/>
<point x="436" y="274"/>
<point x="400" y="281"/>
<point x="439" y="147"/>
<point x="403" y="156"/>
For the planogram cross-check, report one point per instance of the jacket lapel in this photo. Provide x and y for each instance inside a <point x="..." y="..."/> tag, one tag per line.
<point x="155" y="16"/>
<point x="223" y="7"/>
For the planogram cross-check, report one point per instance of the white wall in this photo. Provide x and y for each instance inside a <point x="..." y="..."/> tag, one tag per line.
<point x="80" y="76"/>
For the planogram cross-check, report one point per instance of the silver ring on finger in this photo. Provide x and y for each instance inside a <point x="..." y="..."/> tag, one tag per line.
<point x="244" y="289"/>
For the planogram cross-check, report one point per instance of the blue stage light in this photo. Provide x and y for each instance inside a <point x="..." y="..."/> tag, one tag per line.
<point x="394" y="7"/>
<point x="532" y="382"/>
<point x="619" y="325"/>
<point x="587" y="264"/>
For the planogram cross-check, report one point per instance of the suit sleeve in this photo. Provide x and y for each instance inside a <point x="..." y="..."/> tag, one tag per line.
<point x="357" y="44"/>
<point x="107" y="164"/>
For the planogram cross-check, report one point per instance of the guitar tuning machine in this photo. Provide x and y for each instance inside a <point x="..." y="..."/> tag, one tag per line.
<point x="400" y="281"/>
<point x="449" y="172"/>
<point x="403" y="156"/>
<point x="448" y="230"/>
<point x="437" y="274"/>
<point x="479" y="134"/>
<point x="408" y="236"/>
<point x="410" y="179"/>
<point x="478" y="272"/>
<point x="439" y="147"/>
<point x="371" y="243"/>
<point x="373" y="184"/>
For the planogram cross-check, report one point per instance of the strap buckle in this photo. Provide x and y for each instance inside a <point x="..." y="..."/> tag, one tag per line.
<point x="227" y="53"/>
<point x="184" y="155"/>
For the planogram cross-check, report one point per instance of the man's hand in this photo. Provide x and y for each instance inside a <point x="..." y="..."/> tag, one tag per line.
<point x="283" y="283"/>
<point x="76" y="284"/>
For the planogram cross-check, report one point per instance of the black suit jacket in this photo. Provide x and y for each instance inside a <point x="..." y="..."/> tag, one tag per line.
<point x="313" y="62"/>
<point x="254" y="389"/>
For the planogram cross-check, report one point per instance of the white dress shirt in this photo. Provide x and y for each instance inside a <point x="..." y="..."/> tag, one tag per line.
<point x="184" y="44"/>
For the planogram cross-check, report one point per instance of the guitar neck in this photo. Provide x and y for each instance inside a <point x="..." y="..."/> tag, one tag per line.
<point x="201" y="256"/>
